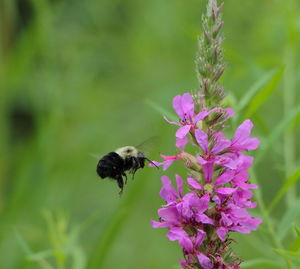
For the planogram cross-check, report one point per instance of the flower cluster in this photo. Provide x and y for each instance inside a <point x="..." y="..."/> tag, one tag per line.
<point x="218" y="186"/>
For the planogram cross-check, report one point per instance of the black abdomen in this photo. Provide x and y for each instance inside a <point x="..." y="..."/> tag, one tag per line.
<point x="111" y="165"/>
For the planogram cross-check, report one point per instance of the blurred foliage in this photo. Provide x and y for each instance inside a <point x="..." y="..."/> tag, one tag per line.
<point x="79" y="78"/>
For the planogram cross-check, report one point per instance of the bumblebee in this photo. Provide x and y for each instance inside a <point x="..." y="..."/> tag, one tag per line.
<point x="114" y="164"/>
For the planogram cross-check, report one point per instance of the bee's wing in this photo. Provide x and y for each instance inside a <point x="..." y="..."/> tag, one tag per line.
<point x="96" y="156"/>
<point x="149" y="145"/>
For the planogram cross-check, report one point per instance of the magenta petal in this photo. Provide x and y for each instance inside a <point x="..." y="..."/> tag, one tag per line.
<point x="208" y="168"/>
<point x="241" y="140"/>
<point x="244" y="161"/>
<point x="169" y="214"/>
<point x="204" y="261"/>
<point x="156" y="224"/>
<point x="243" y="131"/>
<point x="184" y="106"/>
<point x="221" y="143"/>
<point x="179" y="182"/>
<point x="202" y="140"/>
<point x="251" y="223"/>
<point x="167" y="164"/>
<point x="167" y="191"/>
<point x="225" y="220"/>
<point x="222" y="232"/>
<point x="183" y="131"/>
<point x="227" y="161"/>
<point x="181" y="142"/>
<point x="155" y="163"/>
<point x="242" y="195"/>
<point x="230" y="112"/>
<point x="226" y="177"/>
<point x="217" y="199"/>
<point x="239" y="229"/>
<point x="239" y="213"/>
<point x="251" y="144"/>
<point x="194" y="184"/>
<point x="187" y="104"/>
<point x="202" y="218"/>
<point x="199" y="239"/>
<point x="203" y="114"/>
<point x="177" y="233"/>
<point x="225" y="191"/>
<point x="244" y="185"/>
<point x="183" y="263"/>
<point x="184" y="209"/>
<point x="177" y="106"/>
<point x="171" y="122"/>
<point x="203" y="203"/>
<point x="201" y="160"/>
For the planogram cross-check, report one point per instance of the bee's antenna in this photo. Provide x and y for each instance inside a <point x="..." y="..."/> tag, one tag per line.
<point x="151" y="162"/>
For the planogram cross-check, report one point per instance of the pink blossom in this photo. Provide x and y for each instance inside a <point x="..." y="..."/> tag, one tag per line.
<point x="184" y="107"/>
<point x="166" y="163"/>
<point x="241" y="140"/>
<point x="210" y="155"/>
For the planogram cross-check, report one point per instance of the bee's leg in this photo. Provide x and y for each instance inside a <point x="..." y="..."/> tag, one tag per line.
<point x="134" y="166"/>
<point x="124" y="174"/>
<point x="120" y="183"/>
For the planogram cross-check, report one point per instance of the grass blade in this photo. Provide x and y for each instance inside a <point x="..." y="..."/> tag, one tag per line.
<point x="42" y="255"/>
<point x="292" y="255"/>
<point x="264" y="94"/>
<point x="287" y="221"/>
<point x="258" y="85"/>
<point x="291" y="181"/>
<point x="164" y="112"/>
<point x="261" y="262"/>
<point x="276" y="134"/>
<point x="295" y="246"/>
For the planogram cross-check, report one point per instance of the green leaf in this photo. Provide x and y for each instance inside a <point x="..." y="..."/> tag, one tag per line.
<point x="291" y="181"/>
<point x="287" y="221"/>
<point x="263" y="95"/>
<point x="272" y="139"/>
<point x="261" y="262"/>
<point x="258" y="85"/>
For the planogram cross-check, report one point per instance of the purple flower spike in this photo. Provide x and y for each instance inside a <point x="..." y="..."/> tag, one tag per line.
<point x="203" y="211"/>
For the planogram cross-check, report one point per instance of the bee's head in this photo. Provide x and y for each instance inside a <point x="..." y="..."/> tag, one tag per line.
<point x="128" y="151"/>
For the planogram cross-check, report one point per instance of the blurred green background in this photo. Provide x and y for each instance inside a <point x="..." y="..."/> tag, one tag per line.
<point x="82" y="78"/>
